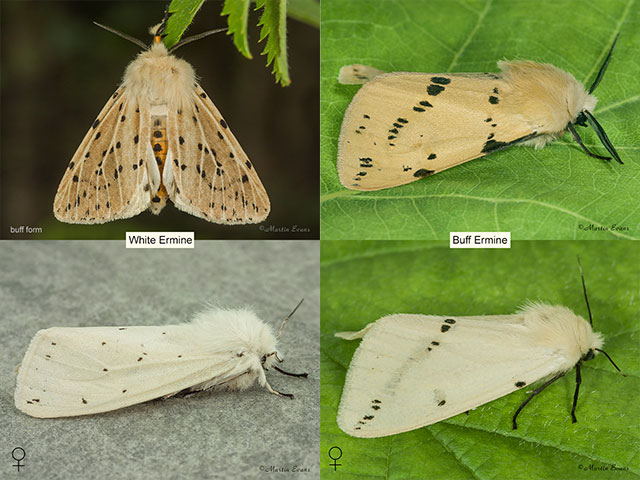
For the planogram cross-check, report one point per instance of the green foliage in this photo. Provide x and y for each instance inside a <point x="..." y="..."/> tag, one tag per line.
<point x="554" y="193"/>
<point x="273" y="23"/>
<point x="274" y="28"/>
<point x="363" y="281"/>
<point x="182" y="12"/>
<point x="238" y="12"/>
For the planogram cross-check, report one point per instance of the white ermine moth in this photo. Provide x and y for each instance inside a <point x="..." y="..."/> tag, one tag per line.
<point x="160" y="136"/>
<point x="410" y="371"/>
<point x="80" y="371"/>
<point x="401" y="127"/>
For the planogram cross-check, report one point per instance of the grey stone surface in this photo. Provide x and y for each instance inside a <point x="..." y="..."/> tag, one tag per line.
<point x="250" y="434"/>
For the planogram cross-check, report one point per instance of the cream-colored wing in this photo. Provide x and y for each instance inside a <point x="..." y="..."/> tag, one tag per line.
<point x="401" y="127"/>
<point x="108" y="177"/>
<point x="415" y="370"/>
<point x="80" y="371"/>
<point x="208" y="174"/>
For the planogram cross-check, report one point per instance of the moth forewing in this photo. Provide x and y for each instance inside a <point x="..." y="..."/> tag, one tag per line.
<point x="401" y="127"/>
<point x="82" y="371"/>
<point x="221" y="185"/>
<point x="411" y="371"/>
<point x="120" y="168"/>
<point x="103" y="181"/>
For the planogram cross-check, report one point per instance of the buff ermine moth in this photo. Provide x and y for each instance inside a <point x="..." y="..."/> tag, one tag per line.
<point x="403" y="126"/>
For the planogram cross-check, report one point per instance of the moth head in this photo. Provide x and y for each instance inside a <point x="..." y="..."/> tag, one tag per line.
<point x="585" y="116"/>
<point x="269" y="359"/>
<point x="589" y="355"/>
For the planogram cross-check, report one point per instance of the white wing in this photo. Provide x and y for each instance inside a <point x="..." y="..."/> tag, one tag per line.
<point x="80" y="371"/>
<point x="416" y="370"/>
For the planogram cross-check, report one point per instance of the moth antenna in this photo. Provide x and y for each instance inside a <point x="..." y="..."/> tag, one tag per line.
<point x="140" y="43"/>
<point x="584" y="289"/>
<point x="287" y="318"/>
<point x="611" y="360"/>
<point x="602" y="135"/>
<point x="193" y="38"/>
<point x="604" y="66"/>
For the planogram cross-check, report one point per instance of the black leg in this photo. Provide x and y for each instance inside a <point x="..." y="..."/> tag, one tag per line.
<point x="305" y="375"/>
<point x="575" y="394"/>
<point x="577" y="138"/>
<point x="533" y="394"/>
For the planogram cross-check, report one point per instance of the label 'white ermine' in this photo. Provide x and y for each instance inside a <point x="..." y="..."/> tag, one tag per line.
<point x="79" y="371"/>
<point x="160" y="136"/>
<point x="403" y="126"/>
<point x="410" y="371"/>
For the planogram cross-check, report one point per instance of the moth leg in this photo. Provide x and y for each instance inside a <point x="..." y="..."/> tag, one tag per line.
<point x="575" y="394"/>
<point x="533" y="394"/>
<point x="275" y="392"/>
<point x="305" y="375"/>
<point x="577" y="138"/>
<point x="263" y="381"/>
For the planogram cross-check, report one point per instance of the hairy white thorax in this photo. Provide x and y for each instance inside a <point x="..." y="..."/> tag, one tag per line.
<point x="557" y="327"/>
<point x="546" y="97"/>
<point x="159" y="78"/>
<point x="239" y="330"/>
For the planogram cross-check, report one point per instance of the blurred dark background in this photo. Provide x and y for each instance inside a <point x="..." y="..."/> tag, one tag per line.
<point x="58" y="70"/>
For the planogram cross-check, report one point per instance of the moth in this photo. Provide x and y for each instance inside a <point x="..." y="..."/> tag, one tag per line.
<point x="410" y="371"/>
<point x="401" y="127"/>
<point x="160" y="137"/>
<point x="80" y="371"/>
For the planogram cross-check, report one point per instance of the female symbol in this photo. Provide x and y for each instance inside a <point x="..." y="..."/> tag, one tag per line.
<point x="13" y="455"/>
<point x="334" y="464"/>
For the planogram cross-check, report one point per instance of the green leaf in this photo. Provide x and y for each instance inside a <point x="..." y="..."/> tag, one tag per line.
<point x="305" y="11"/>
<point x="238" y="11"/>
<point x="182" y="12"/>
<point x="554" y="193"/>
<point x="274" y="28"/>
<point x="363" y="281"/>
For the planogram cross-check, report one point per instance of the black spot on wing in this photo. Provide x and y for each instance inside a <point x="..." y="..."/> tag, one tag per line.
<point x="441" y="80"/>
<point x="366" y="162"/>
<point x="423" y="172"/>
<point x="493" y="145"/>
<point x="434" y="90"/>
